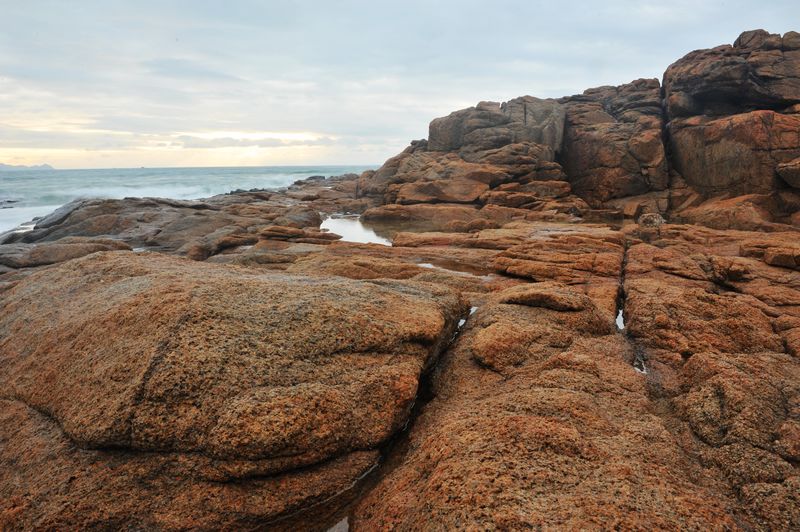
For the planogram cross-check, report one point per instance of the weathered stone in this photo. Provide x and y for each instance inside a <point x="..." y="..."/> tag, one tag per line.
<point x="736" y="154"/>
<point x="458" y="190"/>
<point x="201" y="377"/>
<point x="492" y="125"/>
<point x="612" y="144"/>
<point x="31" y="255"/>
<point x="757" y="72"/>
<point x="539" y="421"/>
<point x="790" y="172"/>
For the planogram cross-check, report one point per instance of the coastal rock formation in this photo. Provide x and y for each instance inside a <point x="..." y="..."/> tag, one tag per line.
<point x="716" y="314"/>
<point x="191" y="382"/>
<point x="588" y="318"/>
<point x="31" y="255"/>
<point x="759" y="71"/>
<point x="738" y="154"/>
<point x="733" y="113"/>
<point x="612" y="145"/>
<point x="539" y="419"/>
<point x="491" y="125"/>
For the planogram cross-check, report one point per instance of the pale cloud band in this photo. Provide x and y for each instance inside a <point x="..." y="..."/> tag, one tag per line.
<point x="185" y="83"/>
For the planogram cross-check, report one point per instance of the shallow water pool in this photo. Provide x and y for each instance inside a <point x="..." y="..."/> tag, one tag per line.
<point x="352" y="230"/>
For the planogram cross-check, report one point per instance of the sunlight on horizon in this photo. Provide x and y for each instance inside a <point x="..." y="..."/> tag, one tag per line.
<point x="158" y="84"/>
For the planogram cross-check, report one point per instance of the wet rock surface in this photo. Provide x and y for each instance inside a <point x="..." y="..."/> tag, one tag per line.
<point x="588" y="318"/>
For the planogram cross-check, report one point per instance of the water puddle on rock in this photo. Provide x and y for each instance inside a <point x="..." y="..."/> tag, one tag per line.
<point x="352" y="230"/>
<point x="455" y="267"/>
<point x="463" y="321"/>
<point x="639" y="360"/>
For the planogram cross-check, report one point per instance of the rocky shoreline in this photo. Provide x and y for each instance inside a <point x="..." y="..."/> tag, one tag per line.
<point x="229" y="363"/>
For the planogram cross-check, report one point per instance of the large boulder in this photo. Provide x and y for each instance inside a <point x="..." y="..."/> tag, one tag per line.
<point x="21" y="255"/>
<point x="612" y="143"/>
<point x="759" y="71"/>
<point x="159" y="392"/>
<point x="420" y="176"/>
<point x="733" y="114"/>
<point x="491" y="125"/>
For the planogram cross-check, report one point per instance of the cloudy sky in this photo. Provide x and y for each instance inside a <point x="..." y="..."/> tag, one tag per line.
<point x="93" y="84"/>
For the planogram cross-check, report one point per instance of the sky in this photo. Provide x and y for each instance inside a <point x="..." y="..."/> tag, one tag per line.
<point x="113" y="84"/>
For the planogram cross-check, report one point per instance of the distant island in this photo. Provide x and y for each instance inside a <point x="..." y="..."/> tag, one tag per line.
<point x="8" y="167"/>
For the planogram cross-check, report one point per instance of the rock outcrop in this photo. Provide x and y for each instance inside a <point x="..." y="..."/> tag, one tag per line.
<point x="716" y="314"/>
<point x="588" y="318"/>
<point x="491" y="125"/>
<point x="613" y="146"/>
<point x="540" y="420"/>
<point x="201" y="388"/>
<point x="732" y="114"/>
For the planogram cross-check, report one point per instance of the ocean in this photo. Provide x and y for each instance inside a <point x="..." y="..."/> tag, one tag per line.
<point x="29" y="193"/>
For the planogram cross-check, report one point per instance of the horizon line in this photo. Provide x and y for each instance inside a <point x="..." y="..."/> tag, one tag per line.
<point x="52" y="168"/>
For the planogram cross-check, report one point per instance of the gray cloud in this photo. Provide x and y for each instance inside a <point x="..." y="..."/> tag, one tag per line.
<point x="188" y="141"/>
<point x="366" y="76"/>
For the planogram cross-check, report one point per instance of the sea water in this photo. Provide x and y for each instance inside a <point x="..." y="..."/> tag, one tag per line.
<point x="27" y="194"/>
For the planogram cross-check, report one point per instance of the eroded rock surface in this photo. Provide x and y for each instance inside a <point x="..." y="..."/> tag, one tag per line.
<point x="732" y="113"/>
<point x="599" y="295"/>
<point x="717" y="313"/>
<point x="540" y="420"/>
<point x="613" y="146"/>
<point x="203" y="379"/>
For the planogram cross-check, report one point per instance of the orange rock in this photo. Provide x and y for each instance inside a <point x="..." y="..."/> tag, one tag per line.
<point x="612" y="145"/>
<point x="185" y="381"/>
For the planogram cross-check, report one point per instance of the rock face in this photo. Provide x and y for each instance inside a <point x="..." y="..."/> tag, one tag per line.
<point x="491" y="154"/>
<point x="737" y="154"/>
<point x="200" y="380"/>
<point x="732" y="115"/>
<point x="759" y="71"/>
<point x="491" y="125"/>
<point x="566" y="369"/>
<point x="729" y="116"/>
<point x="612" y="145"/>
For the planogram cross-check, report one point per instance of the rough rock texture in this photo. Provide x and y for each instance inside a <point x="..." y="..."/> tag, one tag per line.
<point x="205" y="380"/>
<point x="539" y="420"/>
<point x="717" y="315"/>
<point x="30" y="255"/>
<point x="491" y="125"/>
<point x="612" y="144"/>
<point x="759" y="71"/>
<point x="731" y="113"/>
<point x="420" y="176"/>
<point x="567" y="369"/>
<point x="750" y="212"/>
<point x="736" y="154"/>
